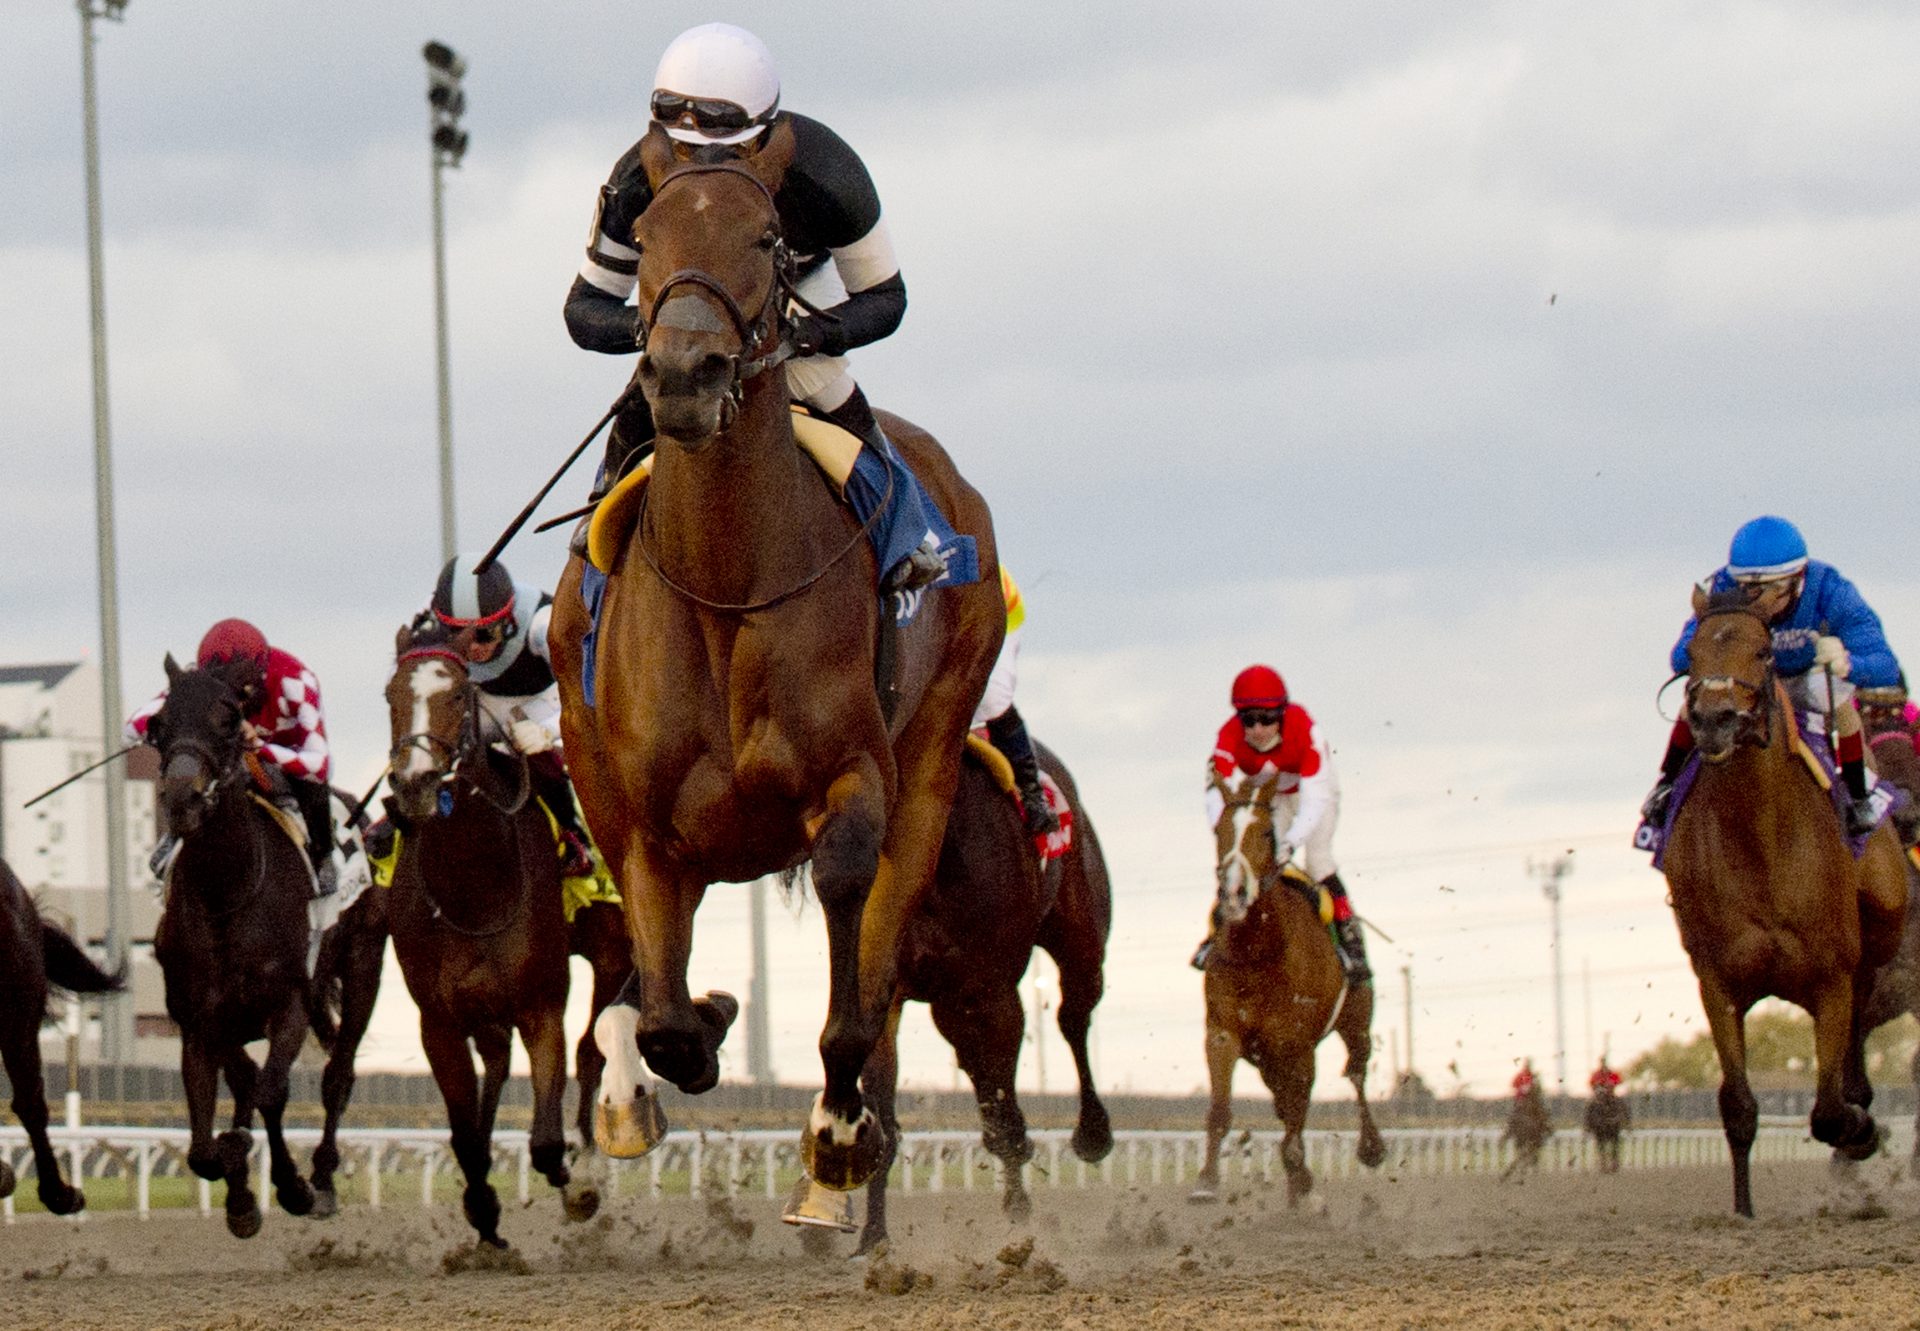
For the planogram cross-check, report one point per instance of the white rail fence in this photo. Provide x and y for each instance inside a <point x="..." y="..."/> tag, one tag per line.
<point x="387" y="1167"/>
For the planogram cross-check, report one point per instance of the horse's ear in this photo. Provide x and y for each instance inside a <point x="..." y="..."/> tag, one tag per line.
<point x="1701" y="596"/>
<point x="173" y="670"/>
<point x="402" y="640"/>
<point x="770" y="164"/>
<point x="656" y="158"/>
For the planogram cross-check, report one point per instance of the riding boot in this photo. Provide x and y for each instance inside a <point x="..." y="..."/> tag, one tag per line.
<point x="1201" y="953"/>
<point x="1679" y="747"/>
<point x="316" y="807"/>
<point x="1009" y="735"/>
<point x="1348" y="938"/>
<point x="1862" y="817"/>
<point x="629" y="441"/>
<point x="922" y="566"/>
<point x="551" y="784"/>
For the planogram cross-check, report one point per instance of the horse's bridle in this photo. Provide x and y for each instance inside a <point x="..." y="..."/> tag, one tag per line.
<point x="770" y="321"/>
<point x="1753" y="721"/>
<point x="453" y="756"/>
<point x="1263" y="882"/>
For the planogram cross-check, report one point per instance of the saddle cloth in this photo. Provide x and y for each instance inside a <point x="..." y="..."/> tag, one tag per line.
<point x="1051" y="845"/>
<point x="576" y="894"/>
<point x="352" y="871"/>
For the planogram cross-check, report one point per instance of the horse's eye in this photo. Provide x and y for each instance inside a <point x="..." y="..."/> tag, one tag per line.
<point x="768" y="240"/>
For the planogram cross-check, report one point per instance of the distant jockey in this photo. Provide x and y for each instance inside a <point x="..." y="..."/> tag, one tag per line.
<point x="1002" y="721"/>
<point x="1604" y="1081"/>
<point x="716" y="96"/>
<point x="1889" y="711"/>
<point x="501" y="630"/>
<point x="1270" y="733"/>
<point x="1524" y="1082"/>
<point x="282" y="723"/>
<point x="1822" y="628"/>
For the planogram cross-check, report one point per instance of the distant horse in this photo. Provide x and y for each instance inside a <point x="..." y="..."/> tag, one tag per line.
<point x="1529" y="1128"/>
<point x="1896" y="985"/>
<point x="1768" y="899"/>
<point x="738" y="728"/>
<point x="1607" y="1118"/>
<point x="964" y="953"/>
<point x="1275" y="989"/>
<point x="36" y="955"/>
<point x="232" y="939"/>
<point x="479" y="927"/>
<point x="346" y="983"/>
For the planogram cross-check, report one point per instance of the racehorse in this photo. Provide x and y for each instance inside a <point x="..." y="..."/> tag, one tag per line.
<point x="1768" y="899"/>
<point x="346" y="982"/>
<point x="1608" y="1116"/>
<point x="1275" y="989"/>
<point x="480" y="930"/>
<point x="36" y="955"/>
<point x="232" y="938"/>
<point x="1529" y="1128"/>
<point x="963" y="954"/>
<point x="1896" y="985"/>
<point x="738" y="728"/>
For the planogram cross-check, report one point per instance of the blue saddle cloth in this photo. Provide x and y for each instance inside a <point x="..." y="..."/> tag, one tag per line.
<point x="1887" y="799"/>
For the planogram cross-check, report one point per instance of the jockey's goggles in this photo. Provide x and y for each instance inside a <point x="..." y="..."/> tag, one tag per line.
<point x="485" y="631"/>
<point x="1259" y="716"/>
<point x="1753" y="588"/>
<point x="709" y="115"/>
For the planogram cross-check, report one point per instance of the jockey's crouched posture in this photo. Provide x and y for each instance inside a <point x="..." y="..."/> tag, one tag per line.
<point x="1005" y="727"/>
<point x="716" y="96"/>
<point x="501" y="631"/>
<point x="281" y="722"/>
<point x="1270" y="733"/>
<point x="1822" y="629"/>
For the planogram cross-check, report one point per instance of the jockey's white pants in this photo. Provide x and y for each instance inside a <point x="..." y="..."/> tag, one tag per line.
<point x="1006" y="671"/>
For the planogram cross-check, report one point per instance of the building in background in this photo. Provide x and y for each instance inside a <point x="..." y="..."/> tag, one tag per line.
<point x="50" y="729"/>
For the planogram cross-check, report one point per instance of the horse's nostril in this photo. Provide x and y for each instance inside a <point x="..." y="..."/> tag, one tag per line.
<point x="713" y="370"/>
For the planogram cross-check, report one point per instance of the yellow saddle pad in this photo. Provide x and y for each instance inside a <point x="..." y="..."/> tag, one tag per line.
<point x="832" y="449"/>
<point x="575" y="893"/>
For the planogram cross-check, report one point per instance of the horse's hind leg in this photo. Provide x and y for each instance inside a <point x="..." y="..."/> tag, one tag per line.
<point x="452" y="1064"/>
<point x="236" y="1145"/>
<point x="546" y="1041"/>
<point x="359" y="987"/>
<point x="1837" y="1121"/>
<point x="1081" y="983"/>
<point x="20" y="1050"/>
<point x="985" y="1029"/>
<point x="1739" y="1112"/>
<point x="1356" y="1033"/>
<point x="879" y="1081"/>
<point x="289" y="1032"/>
<point x="1223" y="1052"/>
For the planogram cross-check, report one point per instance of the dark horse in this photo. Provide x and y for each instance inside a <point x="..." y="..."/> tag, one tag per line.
<point x="346" y="983"/>
<point x="964" y="952"/>
<point x="479" y="927"/>
<point x="232" y="938"/>
<point x="1896" y="986"/>
<point x="1607" y="1118"/>
<point x="1275" y="989"/>
<point x="1768" y="899"/>
<point x="36" y="956"/>
<point x="1529" y="1128"/>
<point x="738" y="730"/>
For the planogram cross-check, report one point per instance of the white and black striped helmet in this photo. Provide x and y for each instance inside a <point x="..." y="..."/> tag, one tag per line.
<point x="484" y="603"/>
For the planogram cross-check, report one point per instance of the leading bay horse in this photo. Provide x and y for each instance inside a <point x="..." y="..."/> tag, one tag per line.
<point x="35" y="956"/>
<point x="964" y="952"/>
<point x="480" y="929"/>
<point x="232" y="938"/>
<point x="737" y="729"/>
<point x="1768" y="899"/>
<point x="1275" y="989"/>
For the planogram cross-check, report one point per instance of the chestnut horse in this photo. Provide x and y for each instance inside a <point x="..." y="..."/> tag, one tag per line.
<point x="232" y="938"/>
<point x="737" y="729"/>
<point x="1768" y="899"/>
<point x="963" y="954"/>
<point x="1275" y="989"/>
<point x="35" y="956"/>
<point x="480" y="930"/>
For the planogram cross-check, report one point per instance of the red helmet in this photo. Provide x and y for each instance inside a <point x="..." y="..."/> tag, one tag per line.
<point x="1259" y="686"/>
<point x="233" y="640"/>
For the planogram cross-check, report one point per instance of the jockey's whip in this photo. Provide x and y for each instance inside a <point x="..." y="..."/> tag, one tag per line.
<point x="1385" y="937"/>
<point x="360" y="809"/>
<point x="513" y="528"/>
<point x="91" y="767"/>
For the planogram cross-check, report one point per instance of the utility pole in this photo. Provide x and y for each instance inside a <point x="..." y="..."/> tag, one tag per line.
<point x="759" y="1023"/>
<point x="1551" y="874"/>
<point x="1406" y="980"/>
<point x="116" y="1010"/>
<point x="446" y="100"/>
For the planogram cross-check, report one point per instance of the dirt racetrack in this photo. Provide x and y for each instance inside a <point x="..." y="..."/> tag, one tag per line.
<point x="1650" y="1249"/>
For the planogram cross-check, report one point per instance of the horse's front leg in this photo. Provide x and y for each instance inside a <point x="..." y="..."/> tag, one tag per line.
<point x="287" y="1033"/>
<point x="1839" y="1123"/>
<point x="20" y="1048"/>
<point x="1223" y="1052"/>
<point x="1739" y="1111"/>
<point x="1356" y="1033"/>
<point x="680" y="1038"/>
<point x="236" y="1145"/>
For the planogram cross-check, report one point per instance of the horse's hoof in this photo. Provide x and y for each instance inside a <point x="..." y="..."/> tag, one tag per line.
<point x="295" y="1197"/>
<point x="1093" y="1144"/>
<point x="1203" y="1195"/>
<point x="1373" y="1150"/>
<point x="581" y="1202"/>
<point x="60" y="1199"/>
<point x="841" y="1155"/>
<point x="245" y="1224"/>
<point x="1018" y="1206"/>
<point x="1864" y="1144"/>
<point x="820" y="1208"/>
<point x="326" y="1204"/>
<point x="628" y="1131"/>
<point x="495" y="1242"/>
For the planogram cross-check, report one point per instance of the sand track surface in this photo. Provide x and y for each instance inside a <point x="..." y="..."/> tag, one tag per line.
<point x="1652" y="1249"/>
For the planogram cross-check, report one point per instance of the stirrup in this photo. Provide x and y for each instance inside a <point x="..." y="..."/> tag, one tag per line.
<point x="922" y="568"/>
<point x="1201" y="954"/>
<point x="1041" y="820"/>
<point x="326" y="878"/>
<point x="1862" y="817"/>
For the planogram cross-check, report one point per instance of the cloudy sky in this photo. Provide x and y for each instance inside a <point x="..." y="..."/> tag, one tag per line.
<point x="1426" y="352"/>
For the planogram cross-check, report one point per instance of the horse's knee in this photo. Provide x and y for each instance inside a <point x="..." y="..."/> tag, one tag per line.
<point x="1740" y="1113"/>
<point x="846" y="856"/>
<point x="549" y="1159"/>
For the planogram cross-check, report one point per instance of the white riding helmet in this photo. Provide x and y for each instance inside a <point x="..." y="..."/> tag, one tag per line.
<point x="716" y="84"/>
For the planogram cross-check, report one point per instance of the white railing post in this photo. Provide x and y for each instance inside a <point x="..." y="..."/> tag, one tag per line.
<point x="525" y="1163"/>
<point x="143" y="1189"/>
<point x="375" y="1149"/>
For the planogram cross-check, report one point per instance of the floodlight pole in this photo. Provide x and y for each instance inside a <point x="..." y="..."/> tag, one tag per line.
<point x="116" y="1011"/>
<point x="1551" y="873"/>
<point x="443" y="375"/>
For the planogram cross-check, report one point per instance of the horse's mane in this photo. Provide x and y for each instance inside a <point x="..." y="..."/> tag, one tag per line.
<point x="1721" y="600"/>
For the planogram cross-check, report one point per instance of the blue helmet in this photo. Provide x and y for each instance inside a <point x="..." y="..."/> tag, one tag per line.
<point x="1766" y="548"/>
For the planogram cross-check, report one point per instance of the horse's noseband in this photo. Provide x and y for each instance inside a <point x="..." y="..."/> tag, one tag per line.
<point x="1751" y="720"/>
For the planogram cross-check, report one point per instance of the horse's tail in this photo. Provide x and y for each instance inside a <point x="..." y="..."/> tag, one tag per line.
<point x="72" y="969"/>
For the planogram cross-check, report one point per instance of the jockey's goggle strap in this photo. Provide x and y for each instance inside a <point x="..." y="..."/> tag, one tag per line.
<point x="710" y="115"/>
<point x="486" y="628"/>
